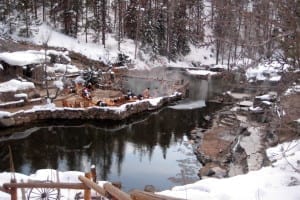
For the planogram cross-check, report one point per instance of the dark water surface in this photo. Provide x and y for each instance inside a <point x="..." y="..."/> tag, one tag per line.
<point x="152" y="149"/>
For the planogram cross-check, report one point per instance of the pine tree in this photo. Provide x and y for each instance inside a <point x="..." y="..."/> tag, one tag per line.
<point x="288" y="31"/>
<point x="131" y="19"/>
<point x="178" y="39"/>
<point x="161" y="31"/>
<point x="25" y="17"/>
<point x="148" y="37"/>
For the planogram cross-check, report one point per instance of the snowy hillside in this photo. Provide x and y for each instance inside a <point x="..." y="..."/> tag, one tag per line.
<point x="199" y="56"/>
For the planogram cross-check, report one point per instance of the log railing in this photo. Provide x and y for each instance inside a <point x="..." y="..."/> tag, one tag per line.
<point x="108" y="190"/>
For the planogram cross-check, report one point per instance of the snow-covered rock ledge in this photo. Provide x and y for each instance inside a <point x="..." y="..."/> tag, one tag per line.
<point x="51" y="112"/>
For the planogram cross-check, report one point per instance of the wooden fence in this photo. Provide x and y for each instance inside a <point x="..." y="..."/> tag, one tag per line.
<point x="108" y="191"/>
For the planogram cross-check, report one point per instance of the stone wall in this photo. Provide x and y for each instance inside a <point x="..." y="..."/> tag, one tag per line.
<point x="94" y="113"/>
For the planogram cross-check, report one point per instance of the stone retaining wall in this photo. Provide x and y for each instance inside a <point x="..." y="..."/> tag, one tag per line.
<point x="95" y="113"/>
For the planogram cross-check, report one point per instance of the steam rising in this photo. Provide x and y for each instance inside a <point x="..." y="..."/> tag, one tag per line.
<point x="189" y="105"/>
<point x="160" y="81"/>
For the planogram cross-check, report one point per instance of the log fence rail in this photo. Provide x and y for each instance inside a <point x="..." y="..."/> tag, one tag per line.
<point x="108" y="191"/>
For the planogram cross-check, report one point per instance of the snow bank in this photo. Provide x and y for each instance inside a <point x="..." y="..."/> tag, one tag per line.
<point x="123" y="107"/>
<point x="21" y="95"/>
<point x="4" y="114"/>
<point x="48" y="106"/>
<point x="284" y="150"/>
<point x="266" y="97"/>
<point x="293" y="90"/>
<point x="62" y="68"/>
<point x="256" y="109"/>
<point x="15" y="85"/>
<point x="201" y="72"/>
<point x="155" y="101"/>
<point x="266" y="71"/>
<point x="276" y="182"/>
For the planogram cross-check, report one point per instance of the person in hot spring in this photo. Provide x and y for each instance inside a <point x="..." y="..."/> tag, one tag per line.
<point x="146" y="93"/>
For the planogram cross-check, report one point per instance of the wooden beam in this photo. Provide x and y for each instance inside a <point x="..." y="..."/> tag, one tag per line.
<point x="91" y="184"/>
<point x="116" y="192"/>
<point x="2" y="189"/>
<point x="141" y="195"/>
<point x="76" y="186"/>
<point x="14" y="191"/>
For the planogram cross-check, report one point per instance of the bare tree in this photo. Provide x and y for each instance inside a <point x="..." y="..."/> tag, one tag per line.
<point x="46" y="38"/>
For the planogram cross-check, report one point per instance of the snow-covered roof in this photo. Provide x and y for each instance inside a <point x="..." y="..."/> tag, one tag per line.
<point x="15" y="85"/>
<point x="22" y="58"/>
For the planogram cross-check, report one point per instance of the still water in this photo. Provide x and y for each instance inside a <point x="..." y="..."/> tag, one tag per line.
<point x="153" y="149"/>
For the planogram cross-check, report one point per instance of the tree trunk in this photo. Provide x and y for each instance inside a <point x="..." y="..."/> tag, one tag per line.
<point x="86" y="21"/>
<point x="103" y="21"/>
<point x="44" y="14"/>
<point x="120" y="24"/>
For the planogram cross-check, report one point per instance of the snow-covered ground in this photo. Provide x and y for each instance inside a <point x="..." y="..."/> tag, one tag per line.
<point x="109" y="54"/>
<point x="280" y="180"/>
<point x="266" y="71"/>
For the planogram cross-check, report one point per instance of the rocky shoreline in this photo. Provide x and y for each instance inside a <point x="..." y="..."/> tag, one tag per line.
<point x="226" y="150"/>
<point x="236" y="142"/>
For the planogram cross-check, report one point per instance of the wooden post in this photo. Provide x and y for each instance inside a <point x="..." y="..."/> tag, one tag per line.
<point x="13" y="191"/>
<point x="87" y="192"/>
<point x="90" y="184"/>
<point x="58" y="189"/>
<point x="23" y="191"/>
<point x="93" y="172"/>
